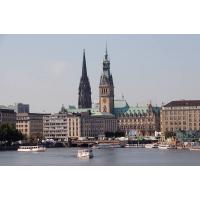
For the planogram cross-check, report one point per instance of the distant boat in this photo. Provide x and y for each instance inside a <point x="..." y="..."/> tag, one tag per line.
<point x="31" y="149"/>
<point x="194" y="148"/>
<point x="85" y="153"/>
<point x="151" y="146"/>
<point x="166" y="146"/>
<point x="134" y="146"/>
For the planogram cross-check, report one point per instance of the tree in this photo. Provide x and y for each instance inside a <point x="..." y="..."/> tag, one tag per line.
<point x="119" y="134"/>
<point x="169" y="135"/>
<point x="109" y="134"/>
<point x="9" y="134"/>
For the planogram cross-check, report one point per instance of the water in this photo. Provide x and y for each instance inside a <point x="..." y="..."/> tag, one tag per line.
<point x="102" y="157"/>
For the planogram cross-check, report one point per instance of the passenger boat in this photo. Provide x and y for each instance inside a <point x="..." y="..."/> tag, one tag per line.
<point x="166" y="146"/>
<point x="150" y="146"/>
<point x="31" y="149"/>
<point x="85" y="153"/>
<point x="134" y="146"/>
<point x="194" y="148"/>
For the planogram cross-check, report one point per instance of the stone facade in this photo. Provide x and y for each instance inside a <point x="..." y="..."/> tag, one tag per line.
<point x="180" y="115"/>
<point x="30" y="124"/>
<point x="55" y="126"/>
<point x="145" y="120"/>
<point x="87" y="125"/>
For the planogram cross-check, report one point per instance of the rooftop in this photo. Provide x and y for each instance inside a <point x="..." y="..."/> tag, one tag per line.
<point x="182" y="103"/>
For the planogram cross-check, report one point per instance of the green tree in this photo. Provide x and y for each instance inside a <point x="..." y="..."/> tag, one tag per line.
<point x="109" y="134"/>
<point x="119" y="134"/>
<point x="169" y="134"/>
<point x="9" y="134"/>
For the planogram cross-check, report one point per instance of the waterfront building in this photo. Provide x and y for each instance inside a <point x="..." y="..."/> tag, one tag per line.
<point x="180" y="115"/>
<point x="30" y="124"/>
<point x="90" y="124"/>
<point x="7" y="115"/>
<point x="144" y="120"/>
<point x="84" y="99"/>
<point x="55" y="126"/>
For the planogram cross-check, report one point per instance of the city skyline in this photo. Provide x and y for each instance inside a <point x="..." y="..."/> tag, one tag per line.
<point x="45" y="70"/>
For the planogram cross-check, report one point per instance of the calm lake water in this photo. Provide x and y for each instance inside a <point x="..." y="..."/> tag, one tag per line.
<point x="102" y="157"/>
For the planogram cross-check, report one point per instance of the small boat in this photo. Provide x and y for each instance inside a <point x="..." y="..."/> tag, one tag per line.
<point x="31" y="149"/>
<point x="194" y="148"/>
<point x="151" y="146"/>
<point x="85" y="153"/>
<point x="166" y="146"/>
<point x="130" y="146"/>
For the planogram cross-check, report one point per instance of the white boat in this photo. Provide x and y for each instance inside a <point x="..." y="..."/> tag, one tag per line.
<point x="150" y="146"/>
<point x="163" y="146"/>
<point x="31" y="149"/>
<point x="166" y="146"/>
<point x="194" y="148"/>
<point x="85" y="153"/>
<point x="130" y="145"/>
<point x="134" y="146"/>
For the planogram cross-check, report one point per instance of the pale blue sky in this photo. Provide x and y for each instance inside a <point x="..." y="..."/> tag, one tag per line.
<point x="44" y="70"/>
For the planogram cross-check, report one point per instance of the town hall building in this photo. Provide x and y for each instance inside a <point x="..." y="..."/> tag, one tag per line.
<point x="115" y="113"/>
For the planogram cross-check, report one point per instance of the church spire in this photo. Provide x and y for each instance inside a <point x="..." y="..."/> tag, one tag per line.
<point x="84" y="69"/>
<point x="84" y="99"/>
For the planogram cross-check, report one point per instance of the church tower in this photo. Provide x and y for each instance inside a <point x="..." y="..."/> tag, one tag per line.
<point x="106" y="87"/>
<point x="84" y="100"/>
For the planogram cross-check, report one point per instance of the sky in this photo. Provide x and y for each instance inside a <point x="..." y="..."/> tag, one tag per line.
<point x="44" y="70"/>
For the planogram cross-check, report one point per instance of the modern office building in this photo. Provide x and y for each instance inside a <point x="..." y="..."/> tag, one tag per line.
<point x="55" y="126"/>
<point x="20" y="108"/>
<point x="181" y="115"/>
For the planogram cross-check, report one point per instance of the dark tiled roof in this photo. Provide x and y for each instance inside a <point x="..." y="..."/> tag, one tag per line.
<point x="183" y="103"/>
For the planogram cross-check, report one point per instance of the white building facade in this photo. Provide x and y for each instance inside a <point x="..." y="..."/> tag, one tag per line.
<point x="55" y="127"/>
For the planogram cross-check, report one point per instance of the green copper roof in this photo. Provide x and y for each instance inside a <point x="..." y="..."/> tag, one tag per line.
<point x="120" y="107"/>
